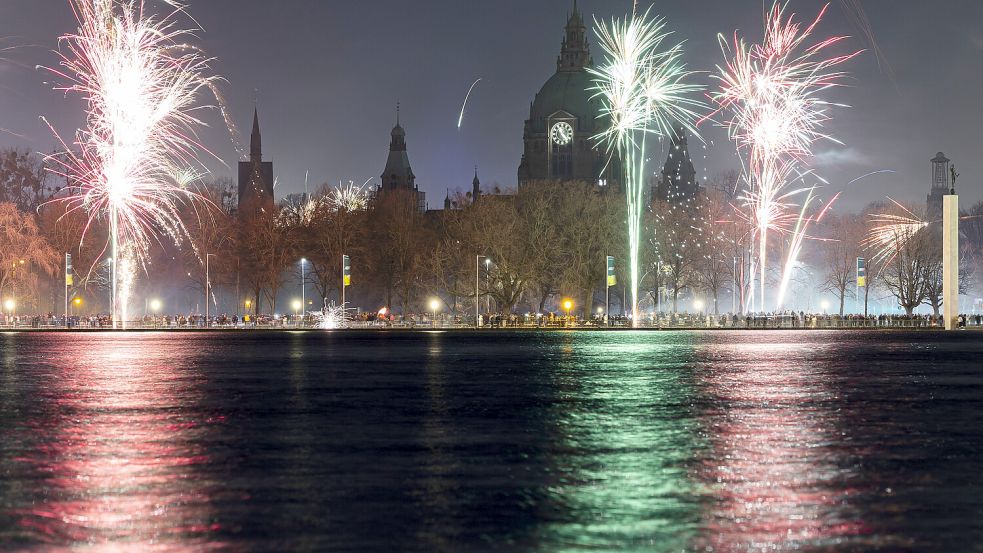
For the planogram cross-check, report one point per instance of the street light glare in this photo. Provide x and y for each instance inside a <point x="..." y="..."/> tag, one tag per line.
<point x="155" y="305"/>
<point x="434" y="304"/>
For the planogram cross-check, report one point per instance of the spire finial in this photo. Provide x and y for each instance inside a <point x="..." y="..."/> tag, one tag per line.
<point x="397" y="113"/>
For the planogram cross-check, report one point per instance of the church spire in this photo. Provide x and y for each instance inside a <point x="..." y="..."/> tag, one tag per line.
<point x="255" y="140"/>
<point x="475" y="186"/>
<point x="575" y="52"/>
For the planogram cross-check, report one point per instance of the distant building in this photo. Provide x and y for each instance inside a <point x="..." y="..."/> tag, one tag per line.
<point x="474" y="195"/>
<point x="678" y="182"/>
<point x="563" y="117"/>
<point x="940" y="186"/>
<point x="398" y="175"/>
<point x="255" y="176"/>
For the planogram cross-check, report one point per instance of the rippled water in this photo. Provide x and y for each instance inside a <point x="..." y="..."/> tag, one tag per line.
<point x="430" y="441"/>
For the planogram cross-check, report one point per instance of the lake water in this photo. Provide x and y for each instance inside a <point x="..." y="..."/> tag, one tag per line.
<point x="463" y="441"/>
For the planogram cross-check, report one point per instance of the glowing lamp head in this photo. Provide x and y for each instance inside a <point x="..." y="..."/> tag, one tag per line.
<point x="249" y="303"/>
<point x="434" y="304"/>
<point x="567" y="304"/>
<point x="10" y="304"/>
<point x="155" y="305"/>
<point x="77" y="302"/>
<point x="698" y="305"/>
<point x="297" y="305"/>
<point x="824" y="305"/>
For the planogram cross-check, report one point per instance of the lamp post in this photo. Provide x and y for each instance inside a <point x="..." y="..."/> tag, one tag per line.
<point x="208" y="286"/>
<point x="487" y="295"/>
<point x="155" y="308"/>
<point x="434" y="306"/>
<point x="297" y="305"/>
<point x="568" y="305"/>
<point x="477" y="272"/>
<point x="303" y="282"/>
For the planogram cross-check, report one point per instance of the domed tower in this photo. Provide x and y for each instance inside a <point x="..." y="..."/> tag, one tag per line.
<point x="398" y="175"/>
<point x="563" y="117"/>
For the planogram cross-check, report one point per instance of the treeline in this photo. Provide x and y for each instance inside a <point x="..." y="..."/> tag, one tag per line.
<point x="521" y="251"/>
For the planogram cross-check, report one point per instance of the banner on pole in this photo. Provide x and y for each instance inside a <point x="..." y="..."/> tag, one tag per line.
<point x="861" y="271"/>
<point x="69" y="277"/>
<point x="612" y="279"/>
<point x="346" y="270"/>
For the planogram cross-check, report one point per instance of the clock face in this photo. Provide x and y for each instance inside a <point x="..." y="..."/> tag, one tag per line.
<point x="561" y="133"/>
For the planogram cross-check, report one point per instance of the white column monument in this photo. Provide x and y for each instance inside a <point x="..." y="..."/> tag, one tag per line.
<point x="950" y="254"/>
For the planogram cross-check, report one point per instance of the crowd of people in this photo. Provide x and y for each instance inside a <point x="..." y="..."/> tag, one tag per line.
<point x="366" y="319"/>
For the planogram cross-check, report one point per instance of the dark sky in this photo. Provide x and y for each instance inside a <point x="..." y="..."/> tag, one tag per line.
<point x="329" y="73"/>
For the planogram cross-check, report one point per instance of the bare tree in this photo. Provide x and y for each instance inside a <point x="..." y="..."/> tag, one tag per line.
<point x="840" y="252"/>
<point x="23" y="253"/>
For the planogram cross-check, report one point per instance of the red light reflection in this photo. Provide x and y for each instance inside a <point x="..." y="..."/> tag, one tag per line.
<point x="776" y="480"/>
<point x="119" y="450"/>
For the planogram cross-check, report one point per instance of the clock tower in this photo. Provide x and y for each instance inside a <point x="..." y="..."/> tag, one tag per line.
<point x="557" y="143"/>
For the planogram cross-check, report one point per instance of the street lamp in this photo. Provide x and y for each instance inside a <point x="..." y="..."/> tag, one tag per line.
<point x="297" y="305"/>
<point x="477" y="272"/>
<point x="155" y="307"/>
<point x="698" y="306"/>
<point x="568" y="305"/>
<point x="77" y="302"/>
<point x="208" y="286"/>
<point x="303" y="281"/>
<point x="487" y="280"/>
<point x="434" y="306"/>
<point x="824" y="305"/>
<point x="10" y="304"/>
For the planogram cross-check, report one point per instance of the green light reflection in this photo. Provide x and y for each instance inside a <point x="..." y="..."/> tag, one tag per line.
<point x="629" y="431"/>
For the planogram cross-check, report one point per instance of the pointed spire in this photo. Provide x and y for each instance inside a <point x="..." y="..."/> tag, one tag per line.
<point x="397" y="113"/>
<point x="255" y="140"/>
<point x="575" y="52"/>
<point x="475" y="186"/>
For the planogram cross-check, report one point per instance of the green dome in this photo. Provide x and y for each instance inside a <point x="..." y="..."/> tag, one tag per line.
<point x="569" y="91"/>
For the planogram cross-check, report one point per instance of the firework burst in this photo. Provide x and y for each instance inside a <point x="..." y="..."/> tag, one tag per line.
<point x="771" y="93"/>
<point x="332" y="317"/>
<point x="891" y="232"/>
<point x="349" y="197"/>
<point x="129" y="166"/>
<point x="642" y="88"/>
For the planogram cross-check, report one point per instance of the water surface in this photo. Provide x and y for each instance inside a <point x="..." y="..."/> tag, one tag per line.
<point x="459" y="441"/>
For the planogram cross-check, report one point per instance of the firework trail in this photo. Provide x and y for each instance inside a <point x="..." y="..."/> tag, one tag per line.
<point x="771" y="95"/>
<point x="460" y="118"/>
<point x="891" y="232"/>
<point x="854" y="11"/>
<point x="141" y="83"/>
<point x="643" y="91"/>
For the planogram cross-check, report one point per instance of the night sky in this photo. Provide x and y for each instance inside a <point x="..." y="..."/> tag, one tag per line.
<point x="327" y="75"/>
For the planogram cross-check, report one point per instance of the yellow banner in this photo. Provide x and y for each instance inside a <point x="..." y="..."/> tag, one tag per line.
<point x="612" y="280"/>
<point x="69" y="280"/>
<point x="862" y="281"/>
<point x="348" y="280"/>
